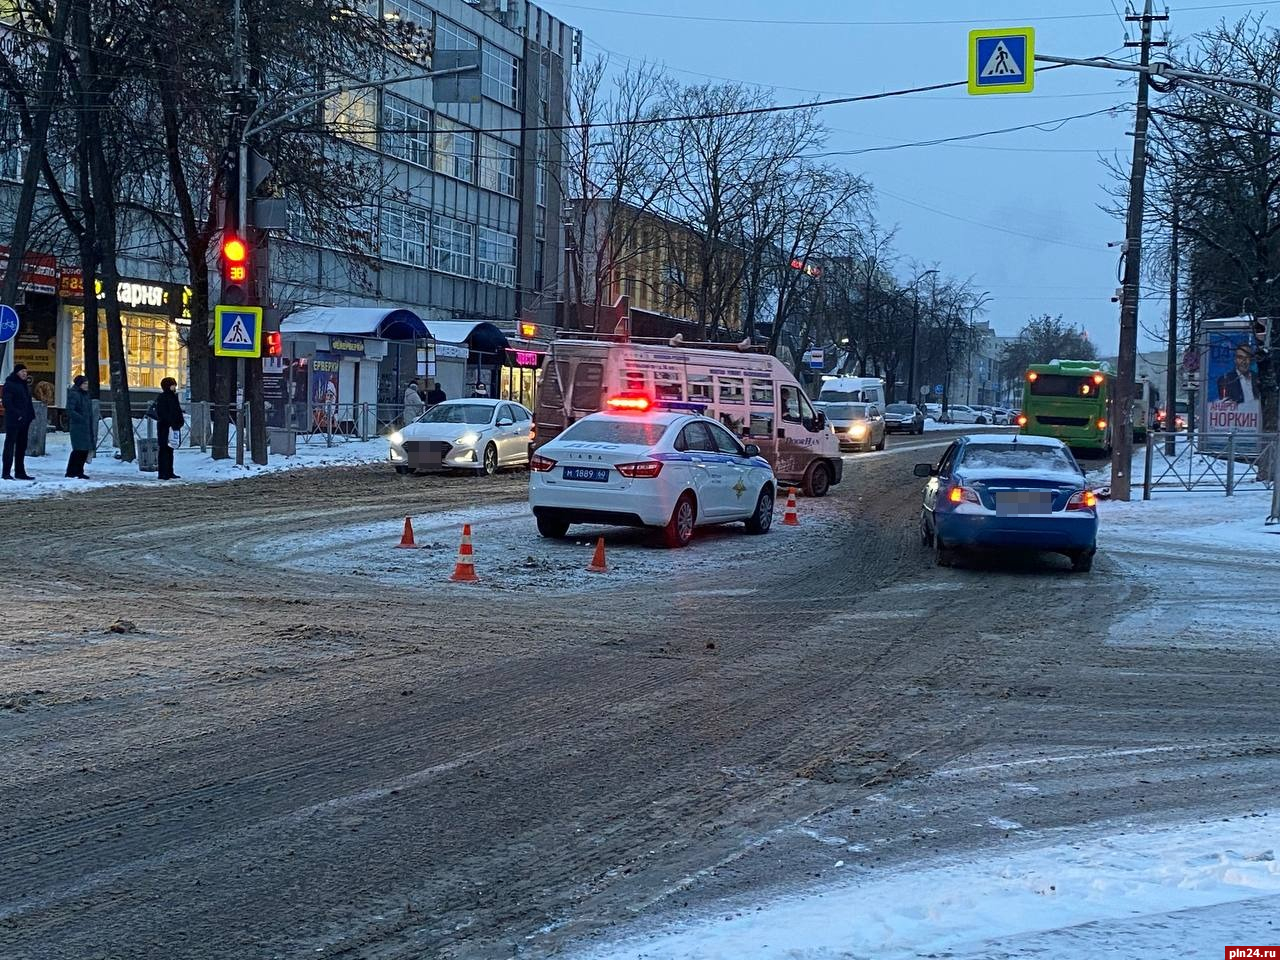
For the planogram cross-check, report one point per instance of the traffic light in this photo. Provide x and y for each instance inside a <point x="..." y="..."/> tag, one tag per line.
<point x="1262" y="332"/>
<point x="272" y="345"/>
<point x="235" y="270"/>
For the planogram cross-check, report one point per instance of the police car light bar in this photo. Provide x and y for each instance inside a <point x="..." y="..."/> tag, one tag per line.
<point x="681" y="405"/>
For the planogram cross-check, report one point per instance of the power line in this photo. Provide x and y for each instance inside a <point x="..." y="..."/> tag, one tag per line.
<point x="1048" y="126"/>
<point x="982" y="223"/>
<point x="792" y="22"/>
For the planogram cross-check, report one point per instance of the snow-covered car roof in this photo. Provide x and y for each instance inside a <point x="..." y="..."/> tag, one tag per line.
<point x="1013" y="439"/>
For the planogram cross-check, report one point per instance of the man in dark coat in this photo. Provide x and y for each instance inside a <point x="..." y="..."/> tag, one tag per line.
<point x="80" y="423"/>
<point x="19" y="411"/>
<point x="168" y="417"/>
<point x="436" y="395"/>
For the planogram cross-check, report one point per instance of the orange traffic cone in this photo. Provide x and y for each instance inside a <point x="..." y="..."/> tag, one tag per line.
<point x="789" y="516"/>
<point x="597" y="564"/>
<point x="464" y="570"/>
<point x="406" y="538"/>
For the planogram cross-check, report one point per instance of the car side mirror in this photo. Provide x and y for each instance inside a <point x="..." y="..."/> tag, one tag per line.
<point x="506" y="422"/>
<point x="925" y="470"/>
<point x="753" y="450"/>
<point x="820" y="421"/>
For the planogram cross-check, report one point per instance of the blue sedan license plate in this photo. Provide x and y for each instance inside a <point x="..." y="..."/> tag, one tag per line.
<point x="1019" y="503"/>
<point x="598" y="474"/>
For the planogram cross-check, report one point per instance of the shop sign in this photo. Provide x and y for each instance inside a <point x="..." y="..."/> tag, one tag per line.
<point x="39" y="271"/>
<point x="526" y="358"/>
<point x="346" y="345"/>
<point x="142" y="296"/>
<point x="455" y="351"/>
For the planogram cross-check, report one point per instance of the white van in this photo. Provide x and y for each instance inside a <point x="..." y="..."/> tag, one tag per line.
<point x="751" y="393"/>
<point x="868" y="390"/>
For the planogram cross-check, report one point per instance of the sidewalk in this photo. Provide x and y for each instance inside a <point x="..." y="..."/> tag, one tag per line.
<point x="191" y="465"/>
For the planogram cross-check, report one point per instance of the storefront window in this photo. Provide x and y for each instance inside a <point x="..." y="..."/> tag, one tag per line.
<point x="519" y="384"/>
<point x="152" y="349"/>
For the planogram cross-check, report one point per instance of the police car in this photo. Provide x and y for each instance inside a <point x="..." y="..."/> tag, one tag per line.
<point x="649" y="465"/>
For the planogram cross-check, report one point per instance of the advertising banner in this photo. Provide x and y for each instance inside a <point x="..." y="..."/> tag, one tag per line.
<point x="1231" y="383"/>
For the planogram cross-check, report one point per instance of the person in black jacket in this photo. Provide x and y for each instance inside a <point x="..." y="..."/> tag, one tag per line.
<point x="19" y="411"/>
<point x="168" y="417"/>
<point x="80" y="425"/>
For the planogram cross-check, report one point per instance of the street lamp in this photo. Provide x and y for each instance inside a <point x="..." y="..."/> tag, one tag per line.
<point x="915" y="335"/>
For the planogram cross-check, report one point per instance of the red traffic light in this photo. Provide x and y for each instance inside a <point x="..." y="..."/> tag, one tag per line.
<point x="234" y="250"/>
<point x="273" y="346"/>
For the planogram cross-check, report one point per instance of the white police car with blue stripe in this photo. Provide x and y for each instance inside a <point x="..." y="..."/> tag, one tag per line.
<point x="652" y="466"/>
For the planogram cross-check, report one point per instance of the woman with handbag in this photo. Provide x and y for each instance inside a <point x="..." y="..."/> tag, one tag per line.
<point x="80" y="425"/>
<point x="169" y="423"/>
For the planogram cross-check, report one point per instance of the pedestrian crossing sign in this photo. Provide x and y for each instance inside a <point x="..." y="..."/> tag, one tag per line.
<point x="1002" y="61"/>
<point x="237" y="331"/>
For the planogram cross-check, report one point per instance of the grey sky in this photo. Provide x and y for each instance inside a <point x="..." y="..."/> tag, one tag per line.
<point x="948" y="200"/>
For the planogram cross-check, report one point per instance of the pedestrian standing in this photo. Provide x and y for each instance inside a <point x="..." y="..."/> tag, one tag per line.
<point x="436" y="395"/>
<point x="480" y="390"/>
<point x="80" y="423"/>
<point x="413" y="405"/>
<point x="169" y="421"/>
<point x="19" y="411"/>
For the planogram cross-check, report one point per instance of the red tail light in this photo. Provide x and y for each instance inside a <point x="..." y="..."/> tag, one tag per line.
<point x="630" y="401"/>
<point x="962" y="495"/>
<point x="539" y="464"/>
<point x="1083" y="500"/>
<point x="640" y="469"/>
<point x="1022" y="419"/>
<point x="1098" y="378"/>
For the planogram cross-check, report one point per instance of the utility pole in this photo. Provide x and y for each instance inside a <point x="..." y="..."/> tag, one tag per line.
<point x="1122" y="412"/>
<point x="1171" y="354"/>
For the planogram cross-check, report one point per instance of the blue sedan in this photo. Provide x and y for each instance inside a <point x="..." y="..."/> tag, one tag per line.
<point x="1008" y="492"/>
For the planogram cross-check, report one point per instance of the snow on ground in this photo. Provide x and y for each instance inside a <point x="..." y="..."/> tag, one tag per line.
<point x="1207" y="565"/>
<point x="932" y="425"/>
<point x="189" y="463"/>
<point x="510" y="554"/>
<point x="1179" y="891"/>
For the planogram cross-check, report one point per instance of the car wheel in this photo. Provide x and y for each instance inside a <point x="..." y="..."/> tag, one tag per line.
<point x="402" y="470"/>
<point x="1081" y="561"/>
<point x="883" y="440"/>
<point x="981" y="420"/>
<point x="490" y="463"/>
<point x="762" y="519"/>
<point x="553" y="529"/>
<point x="943" y="556"/>
<point x="817" y="481"/>
<point x="679" y="529"/>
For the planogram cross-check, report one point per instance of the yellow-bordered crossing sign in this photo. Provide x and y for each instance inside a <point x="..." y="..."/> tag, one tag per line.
<point x="1002" y="60"/>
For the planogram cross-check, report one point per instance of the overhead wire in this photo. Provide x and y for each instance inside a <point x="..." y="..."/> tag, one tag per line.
<point x="795" y="22"/>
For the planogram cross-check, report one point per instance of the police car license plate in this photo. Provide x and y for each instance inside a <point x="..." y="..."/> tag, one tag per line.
<point x="598" y="474"/>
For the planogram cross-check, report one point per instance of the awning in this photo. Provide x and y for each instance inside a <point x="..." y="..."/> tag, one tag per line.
<point x="480" y="335"/>
<point x="389" y="324"/>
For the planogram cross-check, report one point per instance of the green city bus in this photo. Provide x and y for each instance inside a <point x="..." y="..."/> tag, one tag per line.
<point x="1070" y="400"/>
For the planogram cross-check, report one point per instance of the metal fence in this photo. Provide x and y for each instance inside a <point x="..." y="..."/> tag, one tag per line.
<point x="1211" y="462"/>
<point x="308" y="424"/>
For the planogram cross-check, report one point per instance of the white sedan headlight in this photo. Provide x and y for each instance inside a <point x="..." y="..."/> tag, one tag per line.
<point x="397" y="438"/>
<point x="468" y="439"/>
<point x="858" y="430"/>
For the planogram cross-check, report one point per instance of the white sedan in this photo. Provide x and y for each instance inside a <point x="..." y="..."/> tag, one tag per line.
<point x="670" y="470"/>
<point x="477" y="434"/>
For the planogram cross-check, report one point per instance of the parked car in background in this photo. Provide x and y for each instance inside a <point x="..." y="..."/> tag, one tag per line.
<point x="1003" y="416"/>
<point x="933" y="411"/>
<point x="959" y="413"/>
<point x="903" y="418"/>
<point x="476" y="434"/>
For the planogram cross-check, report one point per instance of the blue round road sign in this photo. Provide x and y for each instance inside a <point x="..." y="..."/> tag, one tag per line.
<point x="8" y="323"/>
<point x="937" y="389"/>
